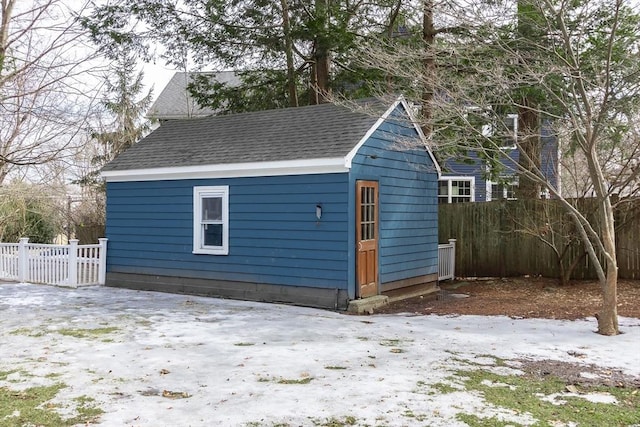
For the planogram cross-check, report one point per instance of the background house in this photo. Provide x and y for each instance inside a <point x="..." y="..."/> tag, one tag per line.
<point x="175" y="101"/>
<point x="466" y="179"/>
<point x="314" y="205"/>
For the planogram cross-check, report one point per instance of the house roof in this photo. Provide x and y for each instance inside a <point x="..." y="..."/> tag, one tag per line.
<point x="175" y="102"/>
<point x="301" y="138"/>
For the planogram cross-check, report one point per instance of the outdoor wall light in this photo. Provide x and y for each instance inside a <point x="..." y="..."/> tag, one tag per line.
<point x="318" y="211"/>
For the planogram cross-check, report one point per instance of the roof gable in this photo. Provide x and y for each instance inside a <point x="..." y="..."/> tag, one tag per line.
<point x="175" y="101"/>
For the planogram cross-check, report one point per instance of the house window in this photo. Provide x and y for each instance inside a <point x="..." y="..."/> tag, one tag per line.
<point x="455" y="190"/>
<point x="211" y="220"/>
<point x="503" y="189"/>
<point x="510" y="130"/>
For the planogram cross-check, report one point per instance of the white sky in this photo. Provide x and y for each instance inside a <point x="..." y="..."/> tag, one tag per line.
<point x="228" y="356"/>
<point x="156" y="75"/>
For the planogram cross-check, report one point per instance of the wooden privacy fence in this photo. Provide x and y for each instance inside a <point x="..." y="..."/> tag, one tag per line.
<point x="64" y="265"/>
<point x="534" y="237"/>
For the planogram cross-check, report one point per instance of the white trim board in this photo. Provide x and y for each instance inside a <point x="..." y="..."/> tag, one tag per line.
<point x="232" y="170"/>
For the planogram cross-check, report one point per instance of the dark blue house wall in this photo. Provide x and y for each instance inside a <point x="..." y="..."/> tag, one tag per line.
<point x="274" y="235"/>
<point x="408" y="205"/>
<point x="472" y="166"/>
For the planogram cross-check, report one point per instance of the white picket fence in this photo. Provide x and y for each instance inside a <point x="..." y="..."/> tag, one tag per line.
<point x="70" y="265"/>
<point x="447" y="260"/>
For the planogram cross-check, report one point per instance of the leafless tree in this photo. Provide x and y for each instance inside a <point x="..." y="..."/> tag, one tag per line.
<point x="46" y="82"/>
<point x="582" y="68"/>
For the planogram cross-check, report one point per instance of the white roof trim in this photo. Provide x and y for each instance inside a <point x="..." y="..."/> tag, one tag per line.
<point x="401" y="100"/>
<point x="232" y="170"/>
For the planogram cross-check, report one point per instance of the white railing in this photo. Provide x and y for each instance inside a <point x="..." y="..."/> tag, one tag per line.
<point x="64" y="265"/>
<point x="447" y="260"/>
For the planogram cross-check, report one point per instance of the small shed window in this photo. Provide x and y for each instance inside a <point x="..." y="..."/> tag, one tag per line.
<point x="211" y="220"/>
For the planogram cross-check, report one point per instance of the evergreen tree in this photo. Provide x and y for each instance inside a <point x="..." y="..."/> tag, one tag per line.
<point x="287" y="53"/>
<point x="126" y="109"/>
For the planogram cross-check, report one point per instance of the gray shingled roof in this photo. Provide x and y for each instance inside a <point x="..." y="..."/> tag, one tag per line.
<point x="175" y="102"/>
<point x="311" y="132"/>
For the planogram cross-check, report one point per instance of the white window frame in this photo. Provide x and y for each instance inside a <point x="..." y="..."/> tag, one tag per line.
<point x="514" y="132"/>
<point x="489" y="190"/>
<point x="199" y="193"/>
<point x="450" y="179"/>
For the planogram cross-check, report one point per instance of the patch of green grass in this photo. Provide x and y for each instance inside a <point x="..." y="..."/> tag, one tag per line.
<point x="28" y="332"/>
<point x="87" y="409"/>
<point x="53" y="375"/>
<point x="443" y="388"/>
<point x="244" y="344"/>
<point x="475" y="421"/>
<point x="305" y="380"/>
<point x="335" y="367"/>
<point x="87" y="333"/>
<point x="335" y="422"/>
<point x="5" y="374"/>
<point x="29" y="407"/>
<point x="76" y="333"/>
<point x="410" y="414"/>
<point x="523" y="394"/>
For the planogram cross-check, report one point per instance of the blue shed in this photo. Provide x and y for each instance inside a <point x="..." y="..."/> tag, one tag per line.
<point x="315" y="205"/>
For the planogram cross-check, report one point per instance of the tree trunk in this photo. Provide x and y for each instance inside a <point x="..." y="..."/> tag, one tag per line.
<point x="7" y="10"/>
<point x="530" y="150"/>
<point x="608" y="315"/>
<point x="320" y="88"/>
<point x="288" y="45"/>
<point x="530" y="31"/>
<point x="429" y="67"/>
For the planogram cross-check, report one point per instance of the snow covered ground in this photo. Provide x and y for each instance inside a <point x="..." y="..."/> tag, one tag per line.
<point x="175" y="360"/>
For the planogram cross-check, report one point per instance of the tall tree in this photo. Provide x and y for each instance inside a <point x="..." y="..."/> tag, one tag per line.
<point x="44" y="69"/>
<point x="586" y="75"/>
<point x="286" y="53"/>
<point x="125" y="105"/>
<point x="530" y="30"/>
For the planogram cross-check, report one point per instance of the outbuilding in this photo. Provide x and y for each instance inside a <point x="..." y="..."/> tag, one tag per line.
<point x="315" y="205"/>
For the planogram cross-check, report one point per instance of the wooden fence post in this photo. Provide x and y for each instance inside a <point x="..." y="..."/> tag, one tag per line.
<point x="23" y="260"/>
<point x="73" y="263"/>
<point x="102" y="269"/>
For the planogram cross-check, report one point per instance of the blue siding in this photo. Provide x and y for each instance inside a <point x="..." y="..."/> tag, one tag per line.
<point x="274" y="235"/>
<point x="474" y="167"/>
<point x="408" y="205"/>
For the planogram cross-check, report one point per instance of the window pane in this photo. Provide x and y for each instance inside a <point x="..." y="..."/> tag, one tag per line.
<point x="212" y="209"/>
<point x="212" y="234"/>
<point x="443" y="188"/>
<point x="497" y="191"/>
<point x="460" y="188"/>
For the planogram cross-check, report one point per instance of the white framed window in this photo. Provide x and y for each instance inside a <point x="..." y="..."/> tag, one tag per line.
<point x="456" y="189"/>
<point x="211" y="220"/>
<point x="505" y="188"/>
<point x="510" y="130"/>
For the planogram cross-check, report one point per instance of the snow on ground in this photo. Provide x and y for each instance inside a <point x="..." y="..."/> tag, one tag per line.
<point x="243" y="362"/>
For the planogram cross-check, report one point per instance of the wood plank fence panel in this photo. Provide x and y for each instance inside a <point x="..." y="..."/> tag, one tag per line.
<point x="505" y="238"/>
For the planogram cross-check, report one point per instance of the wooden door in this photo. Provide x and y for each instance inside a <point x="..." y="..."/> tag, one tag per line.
<point x="367" y="238"/>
